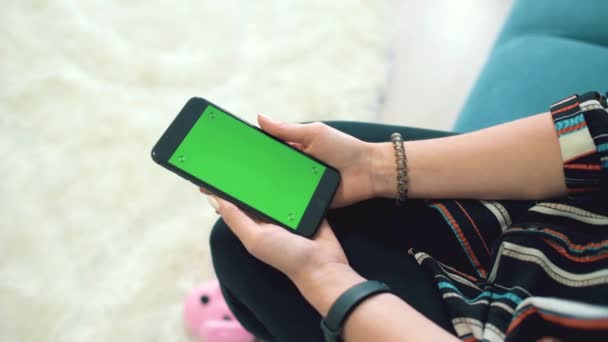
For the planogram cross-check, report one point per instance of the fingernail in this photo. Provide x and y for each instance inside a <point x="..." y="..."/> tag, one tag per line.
<point x="265" y="117"/>
<point x="213" y="203"/>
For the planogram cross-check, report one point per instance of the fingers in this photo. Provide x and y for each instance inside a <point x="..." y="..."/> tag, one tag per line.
<point x="243" y="226"/>
<point x="296" y="145"/>
<point x="214" y="204"/>
<point x="205" y="191"/>
<point x="299" y="133"/>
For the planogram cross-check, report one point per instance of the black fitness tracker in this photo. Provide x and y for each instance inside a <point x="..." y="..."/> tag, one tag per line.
<point x="332" y="325"/>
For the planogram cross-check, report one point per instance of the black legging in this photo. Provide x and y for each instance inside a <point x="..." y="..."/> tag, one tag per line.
<point x="375" y="235"/>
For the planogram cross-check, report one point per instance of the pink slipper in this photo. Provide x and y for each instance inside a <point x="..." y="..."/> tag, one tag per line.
<point x="208" y="318"/>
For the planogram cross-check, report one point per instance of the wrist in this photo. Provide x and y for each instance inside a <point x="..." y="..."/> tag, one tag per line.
<point x="322" y="287"/>
<point x="383" y="169"/>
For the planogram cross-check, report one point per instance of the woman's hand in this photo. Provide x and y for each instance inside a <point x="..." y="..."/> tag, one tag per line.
<point x="318" y="266"/>
<point x="319" y="269"/>
<point x="281" y="249"/>
<point x="351" y="156"/>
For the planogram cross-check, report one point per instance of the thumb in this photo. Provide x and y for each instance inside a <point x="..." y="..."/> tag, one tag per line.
<point x="298" y="133"/>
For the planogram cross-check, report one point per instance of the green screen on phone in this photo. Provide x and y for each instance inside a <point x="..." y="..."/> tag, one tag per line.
<point x="249" y="166"/>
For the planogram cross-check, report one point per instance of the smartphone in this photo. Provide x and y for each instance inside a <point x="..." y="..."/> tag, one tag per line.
<point x="239" y="162"/>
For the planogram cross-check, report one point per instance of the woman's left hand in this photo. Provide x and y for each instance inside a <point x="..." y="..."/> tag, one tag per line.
<point x="295" y="256"/>
<point x="318" y="267"/>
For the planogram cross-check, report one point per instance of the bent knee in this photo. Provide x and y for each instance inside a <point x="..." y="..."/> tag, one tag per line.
<point x="227" y="251"/>
<point x="222" y="238"/>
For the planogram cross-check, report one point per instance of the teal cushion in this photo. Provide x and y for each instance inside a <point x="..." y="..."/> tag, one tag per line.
<point x="525" y="74"/>
<point x="585" y="20"/>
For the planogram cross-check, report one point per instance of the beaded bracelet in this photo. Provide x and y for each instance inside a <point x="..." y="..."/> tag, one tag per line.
<point x="402" y="178"/>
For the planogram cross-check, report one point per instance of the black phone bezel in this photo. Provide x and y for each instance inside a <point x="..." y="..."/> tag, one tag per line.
<point x="182" y="124"/>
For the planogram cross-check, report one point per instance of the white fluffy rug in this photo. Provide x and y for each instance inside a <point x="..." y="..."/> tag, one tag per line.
<point x="97" y="243"/>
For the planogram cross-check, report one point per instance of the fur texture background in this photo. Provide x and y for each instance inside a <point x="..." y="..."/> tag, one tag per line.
<point x="97" y="243"/>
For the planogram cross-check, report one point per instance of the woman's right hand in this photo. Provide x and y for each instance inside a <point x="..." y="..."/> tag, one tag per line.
<point x="352" y="157"/>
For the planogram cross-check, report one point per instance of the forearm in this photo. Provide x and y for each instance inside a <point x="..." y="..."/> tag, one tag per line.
<point x="384" y="317"/>
<point x="516" y="160"/>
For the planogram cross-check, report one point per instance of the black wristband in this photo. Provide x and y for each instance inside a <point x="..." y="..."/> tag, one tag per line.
<point x="332" y="325"/>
